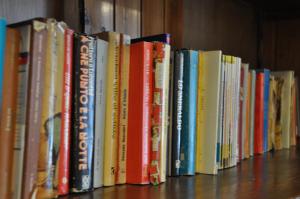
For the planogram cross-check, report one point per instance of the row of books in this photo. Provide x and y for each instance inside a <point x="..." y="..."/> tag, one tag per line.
<point x="83" y="111"/>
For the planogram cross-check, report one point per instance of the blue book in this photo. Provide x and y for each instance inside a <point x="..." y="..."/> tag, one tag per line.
<point x="2" y="50"/>
<point x="165" y="38"/>
<point x="266" y="106"/>
<point x="188" y="134"/>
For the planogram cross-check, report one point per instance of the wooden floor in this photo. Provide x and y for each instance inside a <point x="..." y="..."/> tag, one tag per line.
<point x="272" y="175"/>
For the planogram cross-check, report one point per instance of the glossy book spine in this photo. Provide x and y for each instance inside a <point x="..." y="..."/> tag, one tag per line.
<point x="83" y="113"/>
<point x="259" y="114"/>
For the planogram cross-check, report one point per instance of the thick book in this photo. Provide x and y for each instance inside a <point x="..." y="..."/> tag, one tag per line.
<point x="37" y="56"/>
<point x="259" y="114"/>
<point x="188" y="134"/>
<point x="83" y="113"/>
<point x="123" y="112"/>
<point x="252" y="110"/>
<point x="20" y="122"/>
<point x="139" y="113"/>
<point x="165" y="38"/>
<point x="65" y="139"/>
<point x="100" y="109"/>
<point x="112" y="107"/>
<point x="2" y="54"/>
<point x="50" y="115"/>
<point x="8" y="109"/>
<point x="159" y="126"/>
<point x="209" y="81"/>
<point x="272" y="113"/>
<point x="283" y="116"/>
<point x="177" y="113"/>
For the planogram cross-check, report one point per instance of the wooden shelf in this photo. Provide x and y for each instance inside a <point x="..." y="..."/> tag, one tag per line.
<point x="272" y="175"/>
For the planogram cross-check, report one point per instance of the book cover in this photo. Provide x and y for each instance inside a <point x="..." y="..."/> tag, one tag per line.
<point x="100" y="109"/>
<point x="159" y="126"/>
<point x="252" y="110"/>
<point x="2" y="54"/>
<point x="283" y="100"/>
<point x="272" y="114"/>
<point x="165" y="38"/>
<point x="139" y="113"/>
<point x="20" y="122"/>
<point x="83" y="113"/>
<point x="123" y="113"/>
<point x="177" y="113"/>
<point x="8" y="109"/>
<point x="64" y="149"/>
<point x="34" y="97"/>
<point x="209" y="82"/>
<point x="112" y="107"/>
<point x="259" y="114"/>
<point x="188" y="134"/>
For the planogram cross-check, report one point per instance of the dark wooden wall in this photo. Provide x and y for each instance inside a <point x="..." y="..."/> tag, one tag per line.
<point x="281" y="44"/>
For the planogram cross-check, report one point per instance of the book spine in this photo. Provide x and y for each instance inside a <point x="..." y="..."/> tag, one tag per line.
<point x="50" y="114"/>
<point x="259" y="114"/>
<point x="100" y="108"/>
<point x="139" y="113"/>
<point x="247" y="126"/>
<point x="252" y="111"/>
<point x="272" y="114"/>
<point x="123" y="113"/>
<point x="112" y="110"/>
<point x="20" y="122"/>
<point x="64" y="154"/>
<point x="8" y="114"/>
<point x="83" y="113"/>
<point x="241" y="122"/>
<point x="177" y="113"/>
<point x="244" y="96"/>
<point x="188" y="135"/>
<point x="266" y="108"/>
<point x="2" y="55"/>
<point x="34" y="107"/>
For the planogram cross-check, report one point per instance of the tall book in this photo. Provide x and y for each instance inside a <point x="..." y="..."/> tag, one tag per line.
<point x="2" y="50"/>
<point x="188" y="135"/>
<point x="177" y="113"/>
<point x="20" y="122"/>
<point x="293" y="114"/>
<point x="207" y="129"/>
<point x="159" y="126"/>
<point x="8" y="109"/>
<point x="83" y="113"/>
<point x="252" y="110"/>
<point x="248" y="113"/>
<point x="283" y="101"/>
<point x="139" y="113"/>
<point x="259" y="114"/>
<point x="123" y="113"/>
<point x="64" y="154"/>
<point x="112" y="107"/>
<point x="100" y="109"/>
<point x="37" y="56"/>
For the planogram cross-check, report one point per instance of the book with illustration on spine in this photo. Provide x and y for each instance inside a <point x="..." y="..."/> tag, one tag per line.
<point x="83" y="113"/>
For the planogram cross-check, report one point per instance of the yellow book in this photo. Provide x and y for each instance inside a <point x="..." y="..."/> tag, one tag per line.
<point x="124" y="86"/>
<point x="112" y="107"/>
<point x="272" y="114"/>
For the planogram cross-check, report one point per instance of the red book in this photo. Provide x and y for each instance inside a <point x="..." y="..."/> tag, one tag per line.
<point x="139" y="113"/>
<point x="259" y="114"/>
<point x="64" y="157"/>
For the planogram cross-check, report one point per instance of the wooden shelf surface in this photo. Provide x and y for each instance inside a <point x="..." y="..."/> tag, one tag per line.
<point x="272" y="175"/>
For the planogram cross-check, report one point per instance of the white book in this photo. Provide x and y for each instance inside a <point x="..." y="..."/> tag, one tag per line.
<point x="211" y="84"/>
<point x="100" y="108"/>
<point x="284" y="79"/>
<point x="252" y="111"/>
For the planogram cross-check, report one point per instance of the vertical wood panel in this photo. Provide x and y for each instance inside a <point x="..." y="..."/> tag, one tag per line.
<point x="153" y="16"/>
<point x="128" y="17"/>
<point x="99" y="16"/>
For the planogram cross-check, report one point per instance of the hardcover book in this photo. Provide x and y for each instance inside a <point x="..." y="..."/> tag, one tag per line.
<point x="83" y="113"/>
<point x="259" y="114"/>
<point x="139" y="113"/>
<point x="188" y="134"/>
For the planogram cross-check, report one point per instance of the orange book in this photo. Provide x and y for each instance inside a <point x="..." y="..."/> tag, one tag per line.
<point x="259" y="114"/>
<point x="139" y="113"/>
<point x="9" y="106"/>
